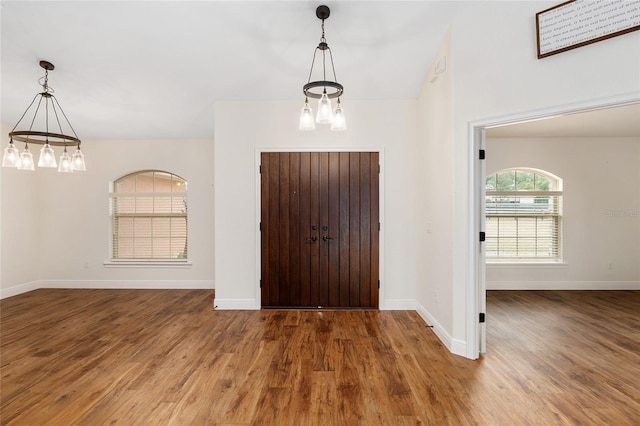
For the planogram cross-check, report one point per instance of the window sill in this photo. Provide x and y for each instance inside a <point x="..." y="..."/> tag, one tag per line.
<point x="526" y="263"/>
<point x="148" y="263"/>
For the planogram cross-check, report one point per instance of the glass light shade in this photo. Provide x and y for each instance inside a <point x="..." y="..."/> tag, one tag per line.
<point x="339" y="123"/>
<point x="325" y="113"/>
<point x="26" y="160"/>
<point x="11" y="156"/>
<point x="306" y="118"/>
<point x="65" y="163"/>
<point x="77" y="161"/>
<point x="47" y="157"/>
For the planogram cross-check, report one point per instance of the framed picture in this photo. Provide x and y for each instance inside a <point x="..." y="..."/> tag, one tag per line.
<point x="577" y="23"/>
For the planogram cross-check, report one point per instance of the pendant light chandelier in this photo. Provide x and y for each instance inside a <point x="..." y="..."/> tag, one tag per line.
<point x="324" y="90"/>
<point x="24" y="161"/>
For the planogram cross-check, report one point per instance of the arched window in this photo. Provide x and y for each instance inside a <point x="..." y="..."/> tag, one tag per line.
<point x="149" y="217"/>
<point x="523" y="215"/>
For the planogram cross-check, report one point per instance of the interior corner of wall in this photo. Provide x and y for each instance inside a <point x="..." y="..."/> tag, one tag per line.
<point x="455" y="346"/>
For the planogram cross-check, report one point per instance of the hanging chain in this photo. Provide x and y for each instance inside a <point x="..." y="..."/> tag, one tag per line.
<point x="45" y="85"/>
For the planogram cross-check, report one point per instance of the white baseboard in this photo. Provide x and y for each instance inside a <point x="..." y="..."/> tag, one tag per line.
<point x="455" y="346"/>
<point x="19" y="289"/>
<point x="109" y="284"/>
<point x="399" y="305"/>
<point x="236" y="304"/>
<point x="130" y="284"/>
<point x="563" y="285"/>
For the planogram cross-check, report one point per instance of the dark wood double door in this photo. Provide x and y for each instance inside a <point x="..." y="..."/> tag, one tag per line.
<point x="320" y="229"/>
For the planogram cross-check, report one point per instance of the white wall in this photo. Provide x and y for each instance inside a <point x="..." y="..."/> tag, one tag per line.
<point x="435" y="158"/>
<point x="244" y="127"/>
<point x="71" y="214"/>
<point x="19" y="226"/>
<point x="601" y="211"/>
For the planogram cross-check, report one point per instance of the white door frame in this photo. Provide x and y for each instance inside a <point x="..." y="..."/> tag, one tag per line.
<point x="476" y="284"/>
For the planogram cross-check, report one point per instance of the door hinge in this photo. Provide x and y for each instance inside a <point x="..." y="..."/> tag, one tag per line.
<point x="482" y="154"/>
<point x="378" y="168"/>
<point x="483" y="236"/>
<point x="260" y="168"/>
<point x="378" y="226"/>
<point x="378" y="283"/>
<point x="260" y="283"/>
<point x="482" y="317"/>
<point x="260" y="226"/>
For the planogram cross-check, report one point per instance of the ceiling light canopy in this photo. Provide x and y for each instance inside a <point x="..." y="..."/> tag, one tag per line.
<point x="52" y="112"/>
<point x="324" y="90"/>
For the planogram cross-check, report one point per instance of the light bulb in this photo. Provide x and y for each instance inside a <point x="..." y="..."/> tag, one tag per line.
<point x="77" y="161"/>
<point x="339" y="123"/>
<point x="325" y="114"/>
<point x="47" y="156"/>
<point x="11" y="156"/>
<point x="65" y="163"/>
<point x="26" y="160"/>
<point x="306" y="117"/>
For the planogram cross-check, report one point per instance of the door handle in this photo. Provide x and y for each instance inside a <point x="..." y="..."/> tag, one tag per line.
<point x="325" y="238"/>
<point x="312" y="239"/>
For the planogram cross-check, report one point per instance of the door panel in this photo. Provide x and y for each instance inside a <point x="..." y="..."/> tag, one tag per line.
<point x="289" y="207"/>
<point x="355" y="231"/>
<point x="374" y="167"/>
<point x="344" y="227"/>
<point x="319" y="229"/>
<point x="308" y="217"/>
<point x="284" y="230"/>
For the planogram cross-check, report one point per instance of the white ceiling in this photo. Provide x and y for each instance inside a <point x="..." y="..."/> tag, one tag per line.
<point x="147" y="69"/>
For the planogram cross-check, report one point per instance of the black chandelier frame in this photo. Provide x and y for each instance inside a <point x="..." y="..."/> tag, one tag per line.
<point x="323" y="12"/>
<point x="43" y="137"/>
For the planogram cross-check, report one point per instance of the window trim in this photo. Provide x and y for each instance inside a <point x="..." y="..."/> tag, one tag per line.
<point x="526" y="261"/>
<point x="508" y="262"/>
<point x="112" y="262"/>
<point x="155" y="263"/>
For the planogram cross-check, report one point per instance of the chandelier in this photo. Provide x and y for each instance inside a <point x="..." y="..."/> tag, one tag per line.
<point x="24" y="161"/>
<point x="330" y="89"/>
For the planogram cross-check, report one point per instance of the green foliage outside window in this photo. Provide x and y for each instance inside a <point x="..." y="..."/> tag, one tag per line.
<point x="518" y="180"/>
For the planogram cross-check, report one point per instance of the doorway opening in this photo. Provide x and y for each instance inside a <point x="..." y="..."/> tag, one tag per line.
<point x="476" y="285"/>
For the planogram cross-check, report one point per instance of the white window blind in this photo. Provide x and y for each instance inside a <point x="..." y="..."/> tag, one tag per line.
<point x="522" y="225"/>
<point x="523" y="215"/>
<point x="149" y="217"/>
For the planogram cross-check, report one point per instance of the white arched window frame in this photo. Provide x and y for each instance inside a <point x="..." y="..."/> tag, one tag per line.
<point x="523" y="216"/>
<point x="149" y="220"/>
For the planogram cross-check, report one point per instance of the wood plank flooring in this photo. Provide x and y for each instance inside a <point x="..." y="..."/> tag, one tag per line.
<point x="165" y="357"/>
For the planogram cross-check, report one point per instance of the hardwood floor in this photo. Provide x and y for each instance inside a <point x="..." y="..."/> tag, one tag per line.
<point x="165" y="357"/>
